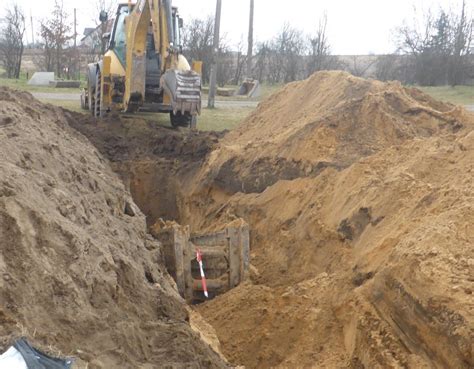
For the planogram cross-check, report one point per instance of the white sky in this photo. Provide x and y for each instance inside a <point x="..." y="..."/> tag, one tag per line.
<point x="354" y="26"/>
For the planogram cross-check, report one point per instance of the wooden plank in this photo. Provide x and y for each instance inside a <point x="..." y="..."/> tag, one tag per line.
<point x="234" y="257"/>
<point x="244" y="252"/>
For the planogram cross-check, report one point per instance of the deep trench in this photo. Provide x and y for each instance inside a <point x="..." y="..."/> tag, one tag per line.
<point x="159" y="165"/>
<point x="153" y="188"/>
<point x="156" y="164"/>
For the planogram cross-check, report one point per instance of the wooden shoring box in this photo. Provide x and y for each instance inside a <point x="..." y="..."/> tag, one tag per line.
<point x="225" y="256"/>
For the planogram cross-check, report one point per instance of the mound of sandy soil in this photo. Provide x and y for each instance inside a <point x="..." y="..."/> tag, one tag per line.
<point x="365" y="261"/>
<point x="332" y="120"/>
<point x="78" y="273"/>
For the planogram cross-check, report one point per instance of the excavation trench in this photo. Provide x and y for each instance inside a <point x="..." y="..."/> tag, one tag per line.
<point x="158" y="167"/>
<point x="359" y="198"/>
<point x="163" y="171"/>
<point x="156" y="164"/>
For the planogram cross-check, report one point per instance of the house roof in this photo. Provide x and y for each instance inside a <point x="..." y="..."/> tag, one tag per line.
<point x="88" y="31"/>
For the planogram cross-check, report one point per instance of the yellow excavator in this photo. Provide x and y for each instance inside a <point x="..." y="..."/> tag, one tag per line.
<point x="143" y="68"/>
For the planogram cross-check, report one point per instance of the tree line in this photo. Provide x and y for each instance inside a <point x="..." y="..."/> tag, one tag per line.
<point x="288" y="56"/>
<point x="55" y="40"/>
<point x="434" y="51"/>
<point x="437" y="51"/>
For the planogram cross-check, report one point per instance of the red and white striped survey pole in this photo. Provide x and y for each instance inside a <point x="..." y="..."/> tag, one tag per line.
<point x="201" y="268"/>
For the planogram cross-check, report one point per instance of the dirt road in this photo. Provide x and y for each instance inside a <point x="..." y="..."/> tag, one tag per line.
<point x="76" y="97"/>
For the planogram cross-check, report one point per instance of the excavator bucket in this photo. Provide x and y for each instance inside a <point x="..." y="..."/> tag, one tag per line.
<point x="184" y="90"/>
<point x="249" y="88"/>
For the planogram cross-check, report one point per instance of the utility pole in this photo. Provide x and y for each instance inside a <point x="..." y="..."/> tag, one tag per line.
<point x="32" y="31"/>
<point x="76" y="56"/>
<point x="75" y="33"/>
<point x="250" y="42"/>
<point x="213" y="79"/>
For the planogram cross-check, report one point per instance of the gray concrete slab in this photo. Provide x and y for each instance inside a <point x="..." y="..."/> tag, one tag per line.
<point x="41" y="79"/>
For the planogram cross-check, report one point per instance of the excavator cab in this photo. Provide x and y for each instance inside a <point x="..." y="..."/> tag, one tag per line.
<point x="143" y="68"/>
<point x="118" y="37"/>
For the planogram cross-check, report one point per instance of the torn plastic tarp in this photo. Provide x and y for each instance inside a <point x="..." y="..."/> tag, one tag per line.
<point x="23" y="356"/>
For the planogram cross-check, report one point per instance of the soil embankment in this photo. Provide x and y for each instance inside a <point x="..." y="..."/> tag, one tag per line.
<point x="360" y="197"/>
<point x="79" y="275"/>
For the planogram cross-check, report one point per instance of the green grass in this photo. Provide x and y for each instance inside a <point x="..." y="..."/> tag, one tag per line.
<point x="265" y="91"/>
<point x="462" y="95"/>
<point x="218" y="119"/>
<point x="22" y="84"/>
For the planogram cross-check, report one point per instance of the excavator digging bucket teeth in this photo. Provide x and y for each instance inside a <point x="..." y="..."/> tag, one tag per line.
<point x="184" y="88"/>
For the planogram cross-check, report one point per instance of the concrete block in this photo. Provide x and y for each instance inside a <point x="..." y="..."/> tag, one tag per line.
<point x="41" y="79"/>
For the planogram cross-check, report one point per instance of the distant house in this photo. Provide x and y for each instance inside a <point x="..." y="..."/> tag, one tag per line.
<point x="91" y="38"/>
<point x="86" y="39"/>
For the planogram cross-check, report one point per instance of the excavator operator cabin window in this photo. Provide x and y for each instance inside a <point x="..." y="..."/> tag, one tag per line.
<point x="120" y="35"/>
<point x="177" y="25"/>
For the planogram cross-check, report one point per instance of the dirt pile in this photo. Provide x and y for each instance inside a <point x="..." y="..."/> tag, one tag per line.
<point x="330" y="120"/>
<point x="364" y="261"/>
<point x="78" y="273"/>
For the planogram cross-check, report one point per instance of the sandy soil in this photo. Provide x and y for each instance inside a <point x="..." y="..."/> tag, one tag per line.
<point x="360" y="199"/>
<point x="360" y="196"/>
<point x="79" y="275"/>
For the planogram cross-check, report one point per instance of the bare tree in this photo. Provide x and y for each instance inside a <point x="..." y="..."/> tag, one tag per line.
<point x="385" y="67"/>
<point x="240" y="63"/>
<point x="197" y="43"/>
<point x="359" y="66"/>
<point x="319" y="49"/>
<point x="56" y="33"/>
<point x="289" y="47"/>
<point x="99" y="6"/>
<point x="439" y="49"/>
<point x="261" y="61"/>
<point x="226" y="66"/>
<point x="288" y="56"/>
<point x="11" y="41"/>
<point x="394" y="67"/>
<point x="459" y="65"/>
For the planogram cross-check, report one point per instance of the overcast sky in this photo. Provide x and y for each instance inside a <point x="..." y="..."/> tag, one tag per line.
<point x="354" y="26"/>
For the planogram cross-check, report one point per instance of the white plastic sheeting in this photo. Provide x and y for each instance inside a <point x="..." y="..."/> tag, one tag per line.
<point x="12" y="359"/>
<point x="24" y="356"/>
